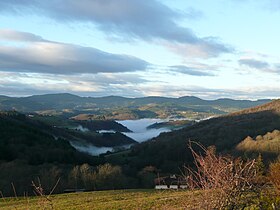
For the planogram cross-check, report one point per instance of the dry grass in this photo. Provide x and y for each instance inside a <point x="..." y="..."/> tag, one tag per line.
<point x="119" y="199"/>
<point x="134" y="199"/>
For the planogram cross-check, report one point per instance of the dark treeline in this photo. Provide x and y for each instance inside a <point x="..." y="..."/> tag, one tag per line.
<point x="102" y="177"/>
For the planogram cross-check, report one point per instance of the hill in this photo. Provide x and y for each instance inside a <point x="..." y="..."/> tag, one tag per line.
<point x="25" y="139"/>
<point x="39" y="139"/>
<point x="115" y="107"/>
<point x="32" y="150"/>
<point x="169" y="151"/>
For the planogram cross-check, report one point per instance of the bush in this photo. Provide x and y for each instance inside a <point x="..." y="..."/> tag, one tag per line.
<point x="223" y="180"/>
<point x="274" y="175"/>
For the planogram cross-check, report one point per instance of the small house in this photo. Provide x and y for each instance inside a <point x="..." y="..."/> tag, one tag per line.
<point x="170" y="182"/>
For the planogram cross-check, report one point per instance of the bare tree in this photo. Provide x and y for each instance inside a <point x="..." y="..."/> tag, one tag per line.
<point x="223" y="180"/>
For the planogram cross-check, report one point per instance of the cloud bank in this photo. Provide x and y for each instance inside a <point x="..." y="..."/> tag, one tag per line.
<point x="260" y="65"/>
<point x="98" y="87"/>
<point x="257" y="64"/>
<point x="148" y="20"/>
<point x="43" y="56"/>
<point x="193" y="71"/>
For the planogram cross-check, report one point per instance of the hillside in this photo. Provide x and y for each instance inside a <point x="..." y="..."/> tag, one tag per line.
<point x="81" y="123"/>
<point x="32" y="150"/>
<point x="23" y="137"/>
<point x="31" y="141"/>
<point x="265" y="144"/>
<point x="115" y="107"/>
<point x="169" y="150"/>
<point x="273" y="106"/>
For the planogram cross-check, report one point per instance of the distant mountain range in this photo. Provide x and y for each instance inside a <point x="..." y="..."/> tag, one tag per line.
<point x="127" y="108"/>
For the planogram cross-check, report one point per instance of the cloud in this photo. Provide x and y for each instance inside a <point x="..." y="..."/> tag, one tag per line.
<point x="194" y="71"/>
<point x="260" y="65"/>
<point x="149" y="20"/>
<point x="205" y="48"/>
<point x="42" y="56"/>
<point x="252" y="93"/>
<point x="252" y="63"/>
<point x="115" y="78"/>
<point x="128" y="85"/>
<point x="11" y="35"/>
<point x="23" y="84"/>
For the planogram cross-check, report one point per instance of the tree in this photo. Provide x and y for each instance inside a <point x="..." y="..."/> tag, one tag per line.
<point x="109" y="177"/>
<point x="75" y="175"/>
<point x="87" y="176"/>
<point x="147" y="176"/>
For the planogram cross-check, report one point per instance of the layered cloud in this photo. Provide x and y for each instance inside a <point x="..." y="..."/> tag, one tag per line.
<point x="260" y="65"/>
<point x="43" y="56"/>
<point x="253" y="63"/>
<point x="148" y="20"/>
<point x="193" y="71"/>
<point x="11" y="35"/>
<point x="253" y="93"/>
<point x="100" y="84"/>
<point x="205" y="48"/>
<point x="89" y="85"/>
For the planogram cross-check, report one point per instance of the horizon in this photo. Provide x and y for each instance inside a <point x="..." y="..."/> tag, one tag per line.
<point x="131" y="48"/>
<point x="85" y="96"/>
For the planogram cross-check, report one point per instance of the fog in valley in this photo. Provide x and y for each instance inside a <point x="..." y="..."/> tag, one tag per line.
<point x="139" y="129"/>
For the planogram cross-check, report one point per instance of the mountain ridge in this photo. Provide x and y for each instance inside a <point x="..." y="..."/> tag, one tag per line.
<point x="62" y="101"/>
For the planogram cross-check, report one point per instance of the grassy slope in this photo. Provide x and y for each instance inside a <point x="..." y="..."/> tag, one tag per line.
<point x="120" y="199"/>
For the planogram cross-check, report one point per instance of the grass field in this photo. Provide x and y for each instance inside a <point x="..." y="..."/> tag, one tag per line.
<point x="134" y="199"/>
<point x="119" y="199"/>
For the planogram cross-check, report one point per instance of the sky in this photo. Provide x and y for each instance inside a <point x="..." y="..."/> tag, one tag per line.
<point x="136" y="48"/>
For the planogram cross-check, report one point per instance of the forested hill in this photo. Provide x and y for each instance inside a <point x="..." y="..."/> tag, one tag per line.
<point x="64" y="101"/>
<point x="169" y="150"/>
<point x="27" y="140"/>
<point x="273" y="106"/>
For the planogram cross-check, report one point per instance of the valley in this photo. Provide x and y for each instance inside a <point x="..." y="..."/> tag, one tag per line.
<point x="130" y="153"/>
<point x="98" y="125"/>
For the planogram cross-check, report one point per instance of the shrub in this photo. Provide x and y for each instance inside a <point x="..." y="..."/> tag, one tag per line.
<point x="274" y="175"/>
<point x="223" y="180"/>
